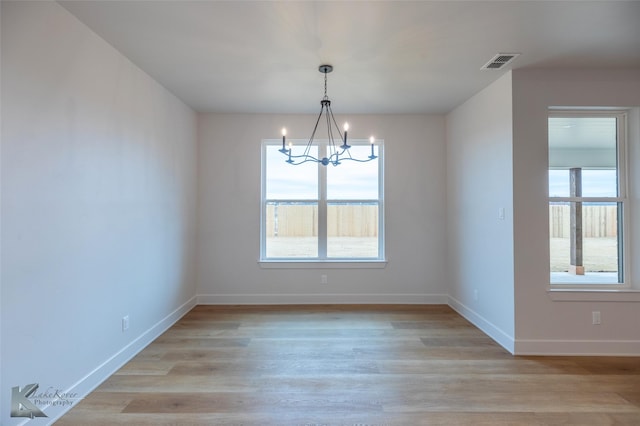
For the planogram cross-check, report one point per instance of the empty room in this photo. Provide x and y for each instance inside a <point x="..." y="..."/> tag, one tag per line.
<point x="320" y="212"/>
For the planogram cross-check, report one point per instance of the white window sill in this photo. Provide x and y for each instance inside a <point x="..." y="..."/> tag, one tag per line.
<point x="322" y="264"/>
<point x="593" y="295"/>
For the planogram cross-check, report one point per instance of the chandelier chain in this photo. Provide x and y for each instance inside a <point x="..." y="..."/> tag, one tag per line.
<point x="325" y="86"/>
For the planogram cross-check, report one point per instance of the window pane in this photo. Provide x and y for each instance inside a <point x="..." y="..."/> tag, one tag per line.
<point x="599" y="183"/>
<point x="291" y="229"/>
<point x="595" y="183"/>
<point x="588" y="144"/>
<point x="287" y="182"/>
<point x="594" y="255"/>
<point x="558" y="183"/>
<point x="353" y="180"/>
<point x="352" y="230"/>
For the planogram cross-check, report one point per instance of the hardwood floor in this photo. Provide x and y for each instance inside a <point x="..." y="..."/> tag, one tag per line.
<point x="353" y="365"/>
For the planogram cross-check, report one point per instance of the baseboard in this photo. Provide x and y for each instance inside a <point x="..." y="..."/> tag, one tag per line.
<point x="92" y="380"/>
<point x="491" y="330"/>
<point x="577" y="347"/>
<point x="324" y="299"/>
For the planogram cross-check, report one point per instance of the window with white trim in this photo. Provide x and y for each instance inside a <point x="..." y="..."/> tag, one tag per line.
<point x="312" y="212"/>
<point x="587" y="198"/>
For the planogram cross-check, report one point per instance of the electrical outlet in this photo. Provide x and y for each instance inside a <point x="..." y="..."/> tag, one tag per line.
<point x="475" y="295"/>
<point x="125" y="323"/>
<point x="323" y="279"/>
<point x="595" y="318"/>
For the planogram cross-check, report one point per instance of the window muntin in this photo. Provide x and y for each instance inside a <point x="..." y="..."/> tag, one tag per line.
<point x="312" y="212"/>
<point x="587" y="199"/>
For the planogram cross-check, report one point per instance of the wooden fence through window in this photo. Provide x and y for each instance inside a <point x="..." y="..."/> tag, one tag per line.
<point x="598" y="221"/>
<point x="301" y="220"/>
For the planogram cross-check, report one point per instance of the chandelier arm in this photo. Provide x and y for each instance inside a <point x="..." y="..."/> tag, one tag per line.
<point x="344" y="142"/>
<point x="358" y="160"/>
<point x="307" y="159"/>
<point x="347" y="153"/>
<point x="351" y="157"/>
<point x="332" y="143"/>
<point x="333" y="159"/>
<point x="304" y="156"/>
<point x="313" y="134"/>
<point x="337" y="159"/>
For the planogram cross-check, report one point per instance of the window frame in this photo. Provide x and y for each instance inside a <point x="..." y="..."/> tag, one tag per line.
<point x="323" y="202"/>
<point x="621" y="199"/>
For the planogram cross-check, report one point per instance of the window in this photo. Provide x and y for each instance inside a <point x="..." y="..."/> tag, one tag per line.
<point x="587" y="198"/>
<point x="312" y="212"/>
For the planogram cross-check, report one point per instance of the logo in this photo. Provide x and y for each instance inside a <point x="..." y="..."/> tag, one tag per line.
<point x="21" y="406"/>
<point x="25" y="402"/>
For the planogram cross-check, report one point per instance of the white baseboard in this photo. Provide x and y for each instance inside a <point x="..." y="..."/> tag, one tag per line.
<point x="577" y="347"/>
<point x="93" y="379"/>
<point x="497" y="334"/>
<point x="324" y="299"/>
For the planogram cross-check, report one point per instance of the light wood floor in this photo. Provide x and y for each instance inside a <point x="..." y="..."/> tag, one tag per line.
<point x="353" y="365"/>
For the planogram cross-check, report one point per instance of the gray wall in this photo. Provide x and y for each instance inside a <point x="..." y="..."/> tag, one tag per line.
<point x="98" y="204"/>
<point x="479" y="189"/>
<point x="555" y="322"/>
<point x="229" y="221"/>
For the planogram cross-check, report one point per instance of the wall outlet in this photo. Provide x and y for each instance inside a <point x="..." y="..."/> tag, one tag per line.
<point x="475" y="295"/>
<point x="323" y="279"/>
<point x="125" y="323"/>
<point x="595" y="318"/>
<point x="501" y="213"/>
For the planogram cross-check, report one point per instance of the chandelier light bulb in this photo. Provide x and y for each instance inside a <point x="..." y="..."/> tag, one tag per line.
<point x="372" y="140"/>
<point x="344" y="141"/>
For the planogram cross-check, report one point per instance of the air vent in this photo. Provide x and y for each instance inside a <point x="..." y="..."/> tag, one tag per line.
<point x="499" y="61"/>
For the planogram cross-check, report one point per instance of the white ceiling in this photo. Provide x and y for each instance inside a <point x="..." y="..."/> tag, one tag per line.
<point x="389" y="57"/>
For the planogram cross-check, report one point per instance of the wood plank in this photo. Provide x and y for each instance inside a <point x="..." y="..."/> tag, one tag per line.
<point x="351" y="364"/>
<point x="409" y="419"/>
<point x="216" y="402"/>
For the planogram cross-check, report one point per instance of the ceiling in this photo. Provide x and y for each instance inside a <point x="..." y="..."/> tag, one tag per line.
<point x="388" y="57"/>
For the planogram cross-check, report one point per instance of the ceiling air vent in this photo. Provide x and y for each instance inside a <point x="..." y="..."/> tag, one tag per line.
<point x="499" y="61"/>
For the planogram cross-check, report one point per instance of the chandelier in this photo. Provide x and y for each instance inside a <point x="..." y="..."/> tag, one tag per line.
<point x="335" y="153"/>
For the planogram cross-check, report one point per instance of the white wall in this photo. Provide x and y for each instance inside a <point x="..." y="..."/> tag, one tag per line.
<point x="480" y="244"/>
<point x="545" y="324"/>
<point x="229" y="214"/>
<point x="98" y="204"/>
